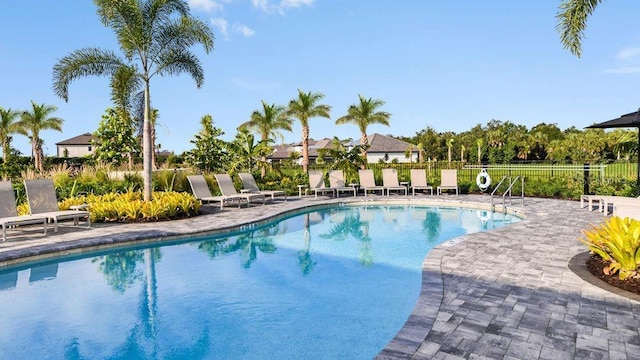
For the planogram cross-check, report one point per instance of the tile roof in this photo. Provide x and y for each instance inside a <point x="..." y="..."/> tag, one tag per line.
<point x="384" y="144"/>
<point x="84" y="139"/>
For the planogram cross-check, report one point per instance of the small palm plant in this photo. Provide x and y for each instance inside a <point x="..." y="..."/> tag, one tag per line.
<point x="617" y="240"/>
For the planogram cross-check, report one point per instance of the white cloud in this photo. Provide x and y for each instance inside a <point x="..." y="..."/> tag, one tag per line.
<point x="243" y="29"/>
<point x="623" y="70"/>
<point x="281" y="6"/>
<point x="222" y="25"/>
<point x="205" y="5"/>
<point x="628" y="53"/>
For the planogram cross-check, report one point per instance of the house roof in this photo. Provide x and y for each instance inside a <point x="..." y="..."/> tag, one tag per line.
<point x="84" y="139"/>
<point x="384" y="144"/>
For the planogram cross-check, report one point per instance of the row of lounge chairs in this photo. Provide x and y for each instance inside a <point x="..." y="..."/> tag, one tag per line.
<point x="250" y="193"/>
<point x="43" y="207"/>
<point x="389" y="182"/>
<point x="621" y="206"/>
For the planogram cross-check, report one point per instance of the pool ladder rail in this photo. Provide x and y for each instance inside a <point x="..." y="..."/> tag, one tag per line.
<point x="507" y="192"/>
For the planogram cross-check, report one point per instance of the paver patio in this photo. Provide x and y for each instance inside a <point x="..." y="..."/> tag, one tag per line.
<point x="518" y="292"/>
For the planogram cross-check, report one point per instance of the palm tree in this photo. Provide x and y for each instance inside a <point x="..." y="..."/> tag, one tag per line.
<point x="479" y="143"/>
<point x="7" y="127"/>
<point x="147" y="31"/>
<point x="572" y="21"/>
<point x="450" y="142"/>
<point x="267" y="123"/>
<point x="34" y="121"/>
<point x="364" y="114"/>
<point x="303" y="108"/>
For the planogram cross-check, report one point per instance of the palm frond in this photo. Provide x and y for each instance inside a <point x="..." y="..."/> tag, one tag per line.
<point x="81" y="63"/>
<point x="572" y="22"/>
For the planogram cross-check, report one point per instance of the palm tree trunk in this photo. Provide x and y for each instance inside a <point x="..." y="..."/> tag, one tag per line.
<point x="305" y="149"/>
<point x="263" y="169"/>
<point x="364" y="141"/>
<point x="146" y="145"/>
<point x="35" y="153"/>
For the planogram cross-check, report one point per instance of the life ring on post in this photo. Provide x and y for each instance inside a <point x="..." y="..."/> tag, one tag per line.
<point x="483" y="180"/>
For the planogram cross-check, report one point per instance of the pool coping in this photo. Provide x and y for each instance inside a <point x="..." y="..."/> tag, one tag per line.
<point x="416" y="339"/>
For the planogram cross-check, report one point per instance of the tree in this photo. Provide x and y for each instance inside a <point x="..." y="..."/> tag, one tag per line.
<point x="479" y="143"/>
<point x="347" y="160"/>
<point x="117" y="141"/>
<point x="267" y="123"/>
<point x="450" y="142"/>
<point x="8" y="126"/>
<point x="572" y="21"/>
<point x="210" y="152"/>
<point x="246" y="152"/>
<point x="303" y="108"/>
<point x="149" y="31"/>
<point x="35" y="121"/>
<point x="364" y="114"/>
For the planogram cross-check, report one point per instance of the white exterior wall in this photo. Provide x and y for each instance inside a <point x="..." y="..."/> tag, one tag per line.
<point x="76" y="150"/>
<point x="375" y="158"/>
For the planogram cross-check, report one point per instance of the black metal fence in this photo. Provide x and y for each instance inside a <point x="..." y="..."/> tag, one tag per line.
<point x="467" y="172"/>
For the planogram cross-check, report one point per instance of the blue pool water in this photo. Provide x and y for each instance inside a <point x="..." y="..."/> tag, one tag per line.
<point x="327" y="284"/>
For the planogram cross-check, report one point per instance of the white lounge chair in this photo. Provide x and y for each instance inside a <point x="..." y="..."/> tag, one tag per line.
<point x="448" y="181"/>
<point x="419" y="181"/>
<point x="336" y="182"/>
<point x="317" y="185"/>
<point x="390" y="181"/>
<point x="368" y="182"/>
<point x="41" y="195"/>
<point x="201" y="191"/>
<point x="627" y="209"/>
<point x="249" y="183"/>
<point x="9" y="217"/>
<point x="228" y="189"/>
<point x="612" y="201"/>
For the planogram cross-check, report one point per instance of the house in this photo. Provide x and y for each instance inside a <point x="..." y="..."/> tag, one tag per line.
<point x="381" y="147"/>
<point x="79" y="146"/>
<point x="283" y="152"/>
<point x="387" y="148"/>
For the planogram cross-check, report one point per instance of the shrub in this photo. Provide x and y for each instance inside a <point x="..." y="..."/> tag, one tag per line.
<point x="129" y="206"/>
<point x="617" y="240"/>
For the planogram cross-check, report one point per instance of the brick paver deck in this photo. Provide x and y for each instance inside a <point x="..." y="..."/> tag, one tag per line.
<point x="518" y="292"/>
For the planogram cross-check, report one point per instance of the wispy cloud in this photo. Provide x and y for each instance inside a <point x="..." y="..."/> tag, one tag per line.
<point x="623" y="70"/>
<point x="628" y="53"/>
<point x="222" y="25"/>
<point x="243" y="29"/>
<point x="206" y="5"/>
<point x="280" y="6"/>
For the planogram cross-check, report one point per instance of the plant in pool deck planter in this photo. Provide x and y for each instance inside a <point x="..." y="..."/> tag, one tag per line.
<point x="617" y="240"/>
<point x="130" y="207"/>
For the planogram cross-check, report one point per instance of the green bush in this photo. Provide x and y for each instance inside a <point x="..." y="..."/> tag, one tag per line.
<point x="617" y="240"/>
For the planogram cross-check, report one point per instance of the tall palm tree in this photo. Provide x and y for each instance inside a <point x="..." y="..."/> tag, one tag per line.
<point x="450" y="142"/>
<point x="572" y="21"/>
<point x="303" y="108"/>
<point x="149" y="31"/>
<point x="364" y="114"/>
<point x="266" y="123"/>
<point x="8" y="126"/>
<point x="33" y="122"/>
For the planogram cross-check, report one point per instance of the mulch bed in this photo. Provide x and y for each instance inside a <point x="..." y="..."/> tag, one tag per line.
<point x="595" y="264"/>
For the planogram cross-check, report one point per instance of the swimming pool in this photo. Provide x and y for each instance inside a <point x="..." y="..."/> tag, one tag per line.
<point x="331" y="283"/>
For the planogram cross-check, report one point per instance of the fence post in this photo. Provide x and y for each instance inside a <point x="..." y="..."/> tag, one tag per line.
<point x="586" y="179"/>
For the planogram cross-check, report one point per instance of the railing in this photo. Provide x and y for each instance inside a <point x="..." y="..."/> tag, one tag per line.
<point x="508" y="192"/>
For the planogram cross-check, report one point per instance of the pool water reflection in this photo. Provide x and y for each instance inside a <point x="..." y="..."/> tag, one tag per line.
<point x="332" y="283"/>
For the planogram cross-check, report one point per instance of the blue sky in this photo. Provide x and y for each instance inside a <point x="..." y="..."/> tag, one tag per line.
<point x="445" y="64"/>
